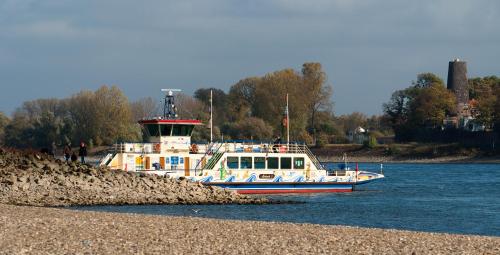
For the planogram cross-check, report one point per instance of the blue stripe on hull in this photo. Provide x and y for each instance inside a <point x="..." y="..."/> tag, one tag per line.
<point x="275" y="186"/>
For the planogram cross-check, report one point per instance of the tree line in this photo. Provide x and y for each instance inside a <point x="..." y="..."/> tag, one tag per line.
<point x="426" y="103"/>
<point x="253" y="108"/>
<point x="98" y="117"/>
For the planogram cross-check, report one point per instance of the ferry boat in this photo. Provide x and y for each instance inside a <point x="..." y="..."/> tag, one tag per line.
<point x="245" y="166"/>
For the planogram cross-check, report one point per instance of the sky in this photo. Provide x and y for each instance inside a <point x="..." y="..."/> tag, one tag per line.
<point x="368" y="48"/>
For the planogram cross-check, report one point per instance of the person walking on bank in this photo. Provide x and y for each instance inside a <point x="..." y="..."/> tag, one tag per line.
<point x="83" y="152"/>
<point x="67" y="152"/>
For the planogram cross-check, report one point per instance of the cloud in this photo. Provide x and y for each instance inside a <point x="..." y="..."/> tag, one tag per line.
<point x="48" y="28"/>
<point x="378" y="44"/>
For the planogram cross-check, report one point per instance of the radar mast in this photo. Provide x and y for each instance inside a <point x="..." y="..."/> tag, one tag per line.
<point x="169" y="107"/>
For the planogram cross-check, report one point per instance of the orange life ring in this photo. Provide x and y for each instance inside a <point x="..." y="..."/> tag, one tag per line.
<point x="157" y="147"/>
<point x="194" y="148"/>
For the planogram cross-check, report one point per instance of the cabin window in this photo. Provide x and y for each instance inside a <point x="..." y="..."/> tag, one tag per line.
<point x="260" y="163"/>
<point x="298" y="163"/>
<point x="188" y="130"/>
<point x="272" y="163"/>
<point x="165" y="130"/>
<point x="182" y="130"/>
<point x="286" y="163"/>
<point x="232" y="162"/>
<point x="153" y="129"/>
<point x="246" y="163"/>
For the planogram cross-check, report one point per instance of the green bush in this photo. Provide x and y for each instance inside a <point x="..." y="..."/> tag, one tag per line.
<point x="322" y="140"/>
<point x="393" y="150"/>
<point x="371" y="142"/>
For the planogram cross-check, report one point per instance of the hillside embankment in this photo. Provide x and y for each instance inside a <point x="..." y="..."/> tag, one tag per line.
<point x="406" y="153"/>
<point x="36" y="179"/>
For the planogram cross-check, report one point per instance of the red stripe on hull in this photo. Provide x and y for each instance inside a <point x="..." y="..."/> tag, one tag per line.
<point x="278" y="191"/>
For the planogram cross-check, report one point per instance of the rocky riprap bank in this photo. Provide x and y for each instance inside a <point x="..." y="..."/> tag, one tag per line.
<point x="37" y="179"/>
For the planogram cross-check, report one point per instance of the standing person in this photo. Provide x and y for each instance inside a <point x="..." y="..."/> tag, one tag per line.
<point x="74" y="158"/>
<point x="83" y="152"/>
<point x="276" y="144"/>
<point x="54" y="149"/>
<point x="67" y="152"/>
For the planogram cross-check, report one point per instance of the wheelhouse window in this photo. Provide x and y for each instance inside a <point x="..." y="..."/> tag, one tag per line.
<point x="272" y="163"/>
<point x="232" y="162"/>
<point x="286" y="163"/>
<point x="165" y="130"/>
<point x="246" y="163"/>
<point x="260" y="163"/>
<point x="298" y="163"/>
<point x="152" y="129"/>
<point x="182" y="130"/>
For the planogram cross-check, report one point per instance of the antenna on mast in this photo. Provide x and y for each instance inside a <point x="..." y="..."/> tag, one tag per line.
<point x="211" y="116"/>
<point x="169" y="108"/>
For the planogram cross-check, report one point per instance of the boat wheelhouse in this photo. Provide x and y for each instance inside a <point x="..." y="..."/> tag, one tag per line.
<point x="245" y="166"/>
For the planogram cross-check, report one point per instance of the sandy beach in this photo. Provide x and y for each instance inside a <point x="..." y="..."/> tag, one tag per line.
<point x="36" y="230"/>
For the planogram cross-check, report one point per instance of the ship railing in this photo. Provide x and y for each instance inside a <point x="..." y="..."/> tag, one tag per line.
<point x="314" y="159"/>
<point x="142" y="148"/>
<point x="211" y="149"/>
<point x="236" y="147"/>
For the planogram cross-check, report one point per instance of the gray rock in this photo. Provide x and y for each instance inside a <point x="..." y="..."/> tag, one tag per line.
<point x="60" y="184"/>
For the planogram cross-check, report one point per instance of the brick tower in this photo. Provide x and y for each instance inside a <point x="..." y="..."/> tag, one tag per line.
<point x="457" y="82"/>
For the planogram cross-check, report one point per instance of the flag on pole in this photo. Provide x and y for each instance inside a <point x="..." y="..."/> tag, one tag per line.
<point x="357" y="169"/>
<point x="285" y="117"/>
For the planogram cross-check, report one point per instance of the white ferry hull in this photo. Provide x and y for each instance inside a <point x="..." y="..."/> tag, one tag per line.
<point x="289" y="187"/>
<point x="285" y="187"/>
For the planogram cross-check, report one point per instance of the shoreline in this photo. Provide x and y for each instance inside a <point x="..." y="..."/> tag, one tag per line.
<point x="30" y="229"/>
<point x="437" y="160"/>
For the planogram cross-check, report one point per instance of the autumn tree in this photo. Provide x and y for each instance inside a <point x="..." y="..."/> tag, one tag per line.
<point x="220" y="103"/>
<point x="82" y="112"/>
<point x="271" y="101"/>
<point x="424" y="104"/>
<point x="432" y="105"/>
<point x="249" y="128"/>
<point x="265" y="98"/>
<point x="482" y="91"/>
<point x="190" y="107"/>
<point x="496" y="110"/>
<point x="242" y="98"/>
<point x="18" y="133"/>
<point x="349" y="122"/>
<point x="4" y="121"/>
<point x="38" y="123"/>
<point x="317" y="94"/>
<point x="425" y="80"/>
<point x="113" y="116"/>
<point x="145" y="108"/>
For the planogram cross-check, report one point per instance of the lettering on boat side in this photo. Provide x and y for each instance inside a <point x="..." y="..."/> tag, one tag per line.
<point x="266" y="176"/>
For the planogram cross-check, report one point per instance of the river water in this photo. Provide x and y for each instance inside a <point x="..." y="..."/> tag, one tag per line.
<point x="452" y="198"/>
